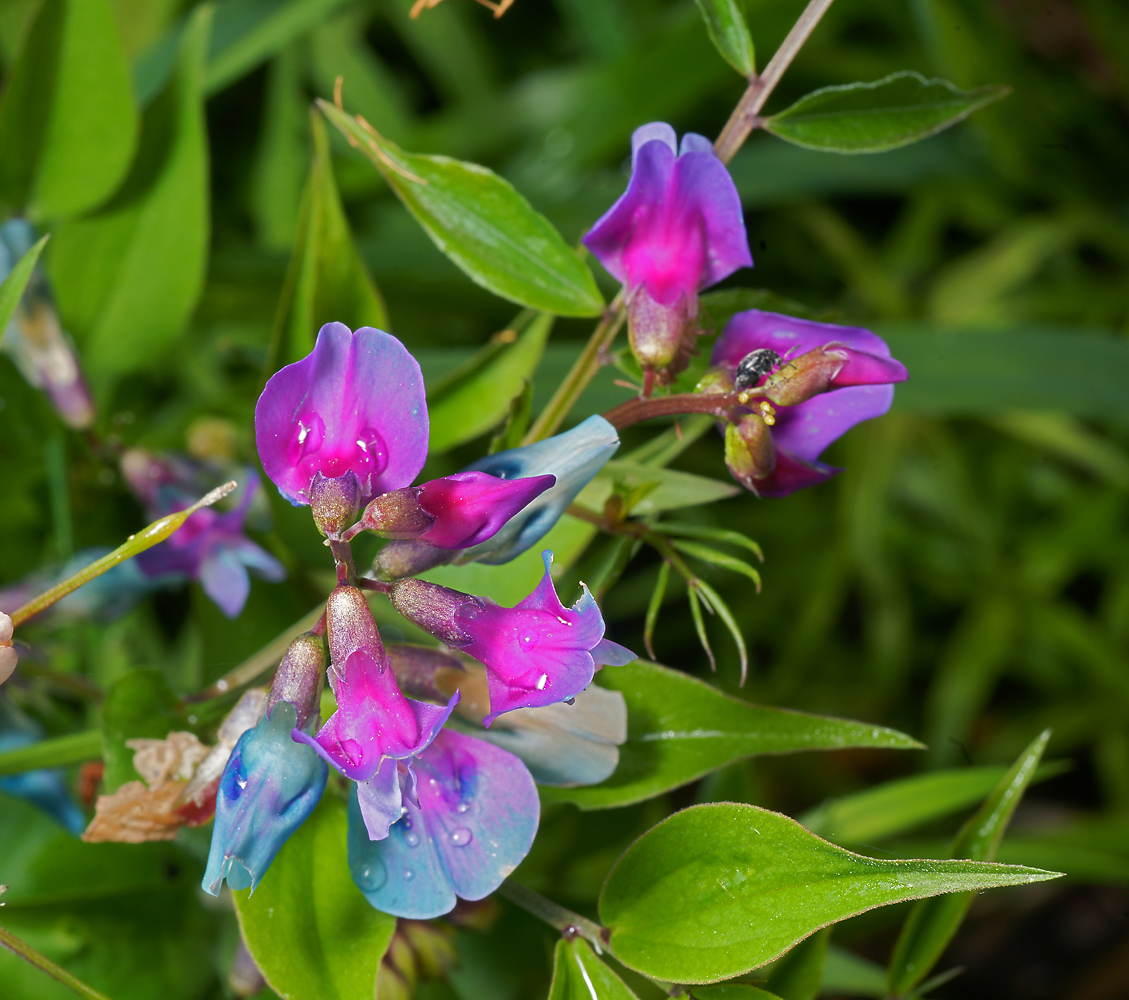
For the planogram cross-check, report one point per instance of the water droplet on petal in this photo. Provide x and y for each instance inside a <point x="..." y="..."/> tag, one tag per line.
<point x="411" y="838"/>
<point x="372" y="876"/>
<point x="408" y="874"/>
<point x="462" y="807"/>
<point x="461" y="836"/>
<point x="542" y="681"/>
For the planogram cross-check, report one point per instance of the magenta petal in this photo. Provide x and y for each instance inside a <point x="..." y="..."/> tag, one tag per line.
<point x="808" y="428"/>
<point x="788" y="336"/>
<point x="793" y="474"/>
<point x="862" y="368"/>
<point x="354" y="404"/>
<point x="373" y="719"/>
<point x="470" y="507"/>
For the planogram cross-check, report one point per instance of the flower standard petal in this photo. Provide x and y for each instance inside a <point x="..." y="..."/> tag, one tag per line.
<point x="475" y="820"/>
<point x="355" y="405"/>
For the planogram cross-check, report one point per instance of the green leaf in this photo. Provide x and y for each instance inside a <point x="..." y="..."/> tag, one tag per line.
<point x="687" y="529"/>
<point x="679" y="728"/>
<point x="127" y="277"/>
<point x="512" y="431"/>
<point x="483" y="224"/>
<point x="58" y="752"/>
<point x="896" y="806"/>
<point x="654" y="606"/>
<point x="476" y="396"/>
<point x="309" y="929"/>
<point x="12" y="287"/>
<point x="932" y="923"/>
<point x="138" y="705"/>
<point x="327" y="280"/>
<point x="68" y="120"/>
<point x="710" y="555"/>
<point x="722" y="610"/>
<point x="874" y="117"/>
<point x="669" y="488"/>
<point x="717" y="890"/>
<point x="579" y="975"/>
<point x="730" y="34"/>
<point x="696" y="600"/>
<point x="798" y="975"/>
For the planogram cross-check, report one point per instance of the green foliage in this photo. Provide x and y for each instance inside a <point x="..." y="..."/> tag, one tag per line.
<point x="68" y="120"/>
<point x="12" y="287"/>
<point x="717" y="890"/>
<point x="679" y="728"/>
<point x="309" y="929"/>
<point x="128" y="276"/>
<point x="727" y="29"/>
<point x="138" y="706"/>
<point x="481" y="222"/>
<point x="579" y="975"/>
<point x="876" y="117"/>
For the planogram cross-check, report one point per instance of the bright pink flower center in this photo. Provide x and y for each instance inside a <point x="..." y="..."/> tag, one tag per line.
<point x="364" y="453"/>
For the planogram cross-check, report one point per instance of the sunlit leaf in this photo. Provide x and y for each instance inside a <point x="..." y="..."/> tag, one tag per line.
<point x="873" y="117"/>
<point x="717" y="890"/>
<point x="730" y="33"/>
<point x="578" y="974"/>
<point x="671" y="488"/>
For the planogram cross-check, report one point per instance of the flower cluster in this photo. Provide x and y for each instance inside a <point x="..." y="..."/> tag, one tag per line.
<point x="434" y="814"/>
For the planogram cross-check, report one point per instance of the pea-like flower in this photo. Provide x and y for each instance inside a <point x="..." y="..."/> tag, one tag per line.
<point x="823" y="378"/>
<point x="455" y="512"/>
<point x="677" y="229"/>
<point x="344" y="424"/>
<point x="471" y="813"/>
<point x="374" y="722"/>
<point x="211" y="545"/>
<point x="269" y="787"/>
<point x="536" y="653"/>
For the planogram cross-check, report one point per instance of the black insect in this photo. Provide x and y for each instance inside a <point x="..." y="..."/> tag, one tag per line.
<point x="755" y="364"/>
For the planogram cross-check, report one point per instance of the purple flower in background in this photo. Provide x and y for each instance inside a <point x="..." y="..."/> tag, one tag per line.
<point x="454" y="512"/>
<point x="347" y="422"/>
<point x="471" y="813"/>
<point x="374" y="725"/>
<point x="211" y="545"/>
<point x="536" y="653"/>
<point x="843" y="375"/>
<point x="678" y="228"/>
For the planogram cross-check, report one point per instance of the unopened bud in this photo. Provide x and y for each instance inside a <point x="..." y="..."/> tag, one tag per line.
<point x="749" y="450"/>
<point x="334" y="502"/>
<point x="660" y="334"/>
<point x="8" y="655"/>
<point x="397" y="514"/>
<point x="299" y="676"/>
<point x="407" y="558"/>
<point x="806" y="376"/>
<point x="423" y="672"/>
<point x="349" y="625"/>
<point x="432" y="607"/>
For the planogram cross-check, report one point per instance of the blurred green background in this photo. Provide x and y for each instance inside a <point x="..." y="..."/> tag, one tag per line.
<point x="965" y="580"/>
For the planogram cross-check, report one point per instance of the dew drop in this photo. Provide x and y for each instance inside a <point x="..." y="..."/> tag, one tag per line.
<point x="371" y="876"/>
<point x="462" y="807"/>
<point x="461" y="836"/>
<point x="408" y="874"/>
<point x="542" y="681"/>
<point x="411" y="838"/>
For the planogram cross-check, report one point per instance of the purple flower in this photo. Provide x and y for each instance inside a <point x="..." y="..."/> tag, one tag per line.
<point x="536" y="653"/>
<point x="677" y="229"/>
<point x="374" y="722"/>
<point x="210" y="546"/>
<point x="352" y="410"/>
<point x="471" y="813"/>
<point x="455" y="512"/>
<point x="849" y="370"/>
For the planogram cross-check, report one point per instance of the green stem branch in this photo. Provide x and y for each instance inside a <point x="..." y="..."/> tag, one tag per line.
<point x="567" y="922"/>
<point x="44" y="964"/>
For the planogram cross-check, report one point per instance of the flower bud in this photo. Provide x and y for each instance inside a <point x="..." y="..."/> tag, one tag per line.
<point x="661" y="334"/>
<point x="298" y="678"/>
<point x="398" y="514"/>
<point x="749" y="451"/>
<point x="334" y="502"/>
<point x="407" y="558"/>
<point x="434" y="608"/>
<point x="423" y="672"/>
<point x="8" y="655"/>
<point x="349" y="625"/>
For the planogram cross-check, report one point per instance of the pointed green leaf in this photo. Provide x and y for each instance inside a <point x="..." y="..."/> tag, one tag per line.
<point x="721" y="609"/>
<point x="512" y="431"/>
<point x="722" y="559"/>
<point x="932" y="923"/>
<point x="897" y="806"/>
<point x="654" y="606"/>
<point x="68" y="120"/>
<point x="327" y="281"/>
<point x="578" y="974"/>
<point x="717" y="890"/>
<point x="726" y="536"/>
<point x="729" y="32"/>
<point x="671" y="489"/>
<point x="477" y="395"/>
<point x="679" y="728"/>
<point x="127" y="277"/>
<point x="697" y="599"/>
<point x="309" y="929"/>
<point x="874" y="117"/>
<point x="13" y="285"/>
<point x="483" y="224"/>
<point x="61" y="751"/>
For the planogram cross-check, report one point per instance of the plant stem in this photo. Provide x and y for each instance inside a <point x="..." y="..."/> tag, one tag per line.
<point x="635" y="411"/>
<point x="568" y="923"/>
<point x="581" y="373"/>
<point x="744" y="118"/>
<point x="44" y="964"/>
<point x="156" y="532"/>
